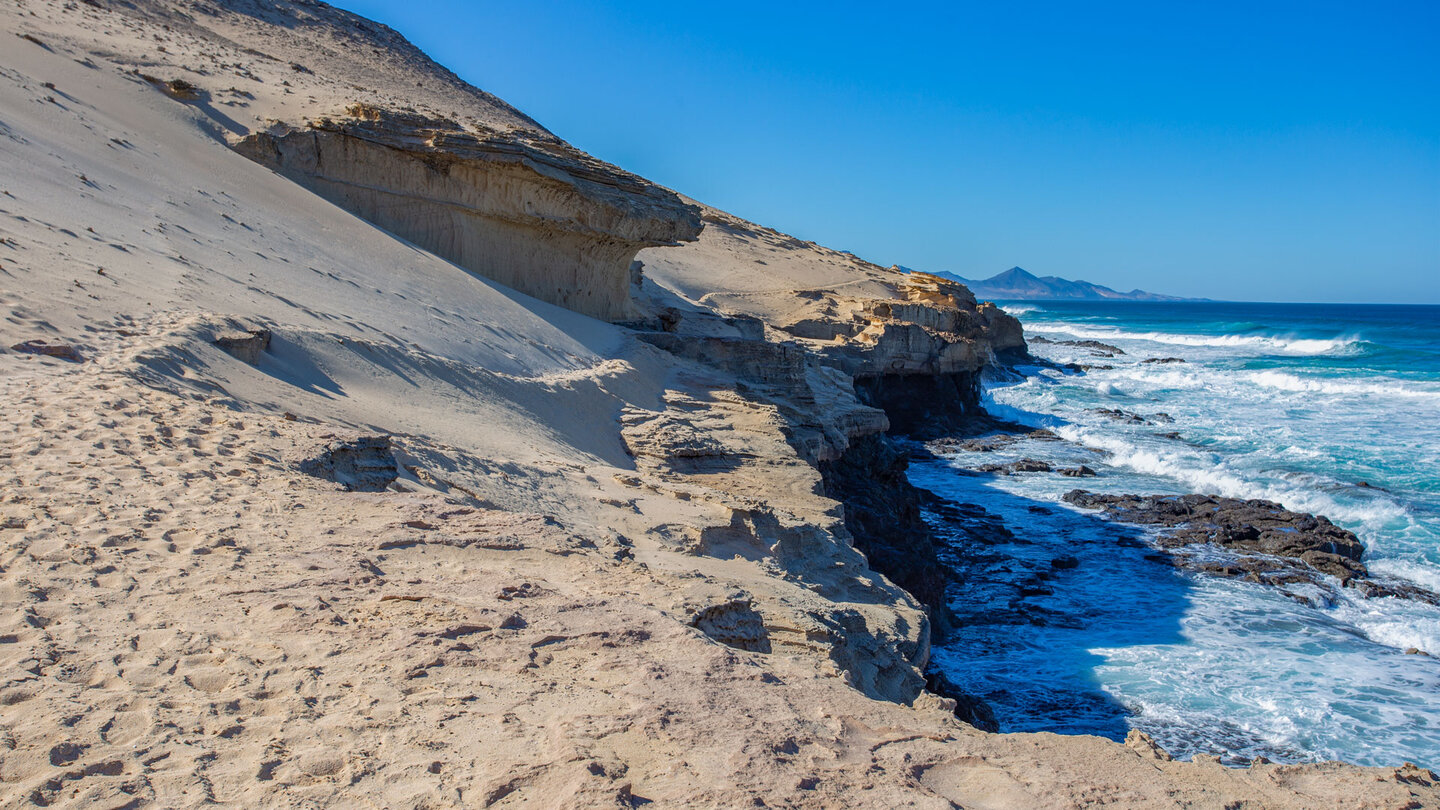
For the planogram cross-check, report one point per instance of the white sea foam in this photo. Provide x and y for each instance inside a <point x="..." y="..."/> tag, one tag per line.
<point x="1427" y="576"/>
<point x="1282" y="381"/>
<point x="1400" y="633"/>
<point x="1021" y="309"/>
<point x="1167" y="376"/>
<point x="1262" y="343"/>
<point x="1204" y="472"/>
<point x="1229" y="383"/>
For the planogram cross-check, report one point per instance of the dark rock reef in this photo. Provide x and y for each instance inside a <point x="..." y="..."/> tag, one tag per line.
<point x="1270" y="544"/>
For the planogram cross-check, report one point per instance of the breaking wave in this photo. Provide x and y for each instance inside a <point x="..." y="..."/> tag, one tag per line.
<point x="1282" y="381"/>
<point x="1263" y="344"/>
<point x="1323" y="410"/>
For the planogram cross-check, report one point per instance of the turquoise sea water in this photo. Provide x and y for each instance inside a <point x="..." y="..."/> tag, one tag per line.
<point x="1327" y="409"/>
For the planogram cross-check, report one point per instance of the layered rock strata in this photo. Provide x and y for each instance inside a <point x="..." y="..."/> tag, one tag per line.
<point x="550" y="222"/>
<point x="866" y="353"/>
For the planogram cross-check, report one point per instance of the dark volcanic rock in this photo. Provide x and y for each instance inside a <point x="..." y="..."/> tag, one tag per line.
<point x="925" y="405"/>
<point x="1078" y="472"/>
<point x="1010" y="434"/>
<point x="968" y="708"/>
<point x="883" y="514"/>
<point x="1403" y="590"/>
<point x="1133" y="418"/>
<point x="1121" y="416"/>
<point x="1110" y="351"/>
<point x="1024" y="465"/>
<point x="1162" y="360"/>
<point x="1253" y="526"/>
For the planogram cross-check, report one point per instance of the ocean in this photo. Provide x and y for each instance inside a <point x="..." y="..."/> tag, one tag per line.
<point x="1076" y="625"/>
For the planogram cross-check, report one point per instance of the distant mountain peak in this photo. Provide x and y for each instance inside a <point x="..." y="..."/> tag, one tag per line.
<point x="1017" y="283"/>
<point x="1015" y="273"/>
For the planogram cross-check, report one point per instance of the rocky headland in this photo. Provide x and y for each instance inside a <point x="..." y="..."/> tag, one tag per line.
<point x="369" y="445"/>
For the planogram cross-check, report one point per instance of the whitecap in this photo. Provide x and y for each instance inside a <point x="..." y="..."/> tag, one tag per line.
<point x="1263" y="343"/>
<point x="1282" y="381"/>
<point x="1206" y="473"/>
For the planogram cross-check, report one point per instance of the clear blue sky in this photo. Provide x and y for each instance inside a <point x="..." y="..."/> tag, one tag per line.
<point x="1245" y="150"/>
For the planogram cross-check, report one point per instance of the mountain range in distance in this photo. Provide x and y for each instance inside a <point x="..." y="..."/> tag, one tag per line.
<point x="1019" y="285"/>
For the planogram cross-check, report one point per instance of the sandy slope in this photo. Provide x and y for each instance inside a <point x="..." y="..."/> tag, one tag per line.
<point x="190" y="620"/>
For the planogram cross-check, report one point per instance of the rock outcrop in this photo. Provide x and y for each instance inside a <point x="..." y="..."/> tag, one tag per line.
<point x="360" y="464"/>
<point x="918" y="357"/>
<point x="1270" y="544"/>
<point x="532" y="214"/>
<point x="1254" y="526"/>
<point x="44" y="348"/>
<point x="244" y="345"/>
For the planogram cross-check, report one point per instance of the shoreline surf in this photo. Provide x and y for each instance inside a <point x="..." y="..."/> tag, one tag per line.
<point x="1322" y="417"/>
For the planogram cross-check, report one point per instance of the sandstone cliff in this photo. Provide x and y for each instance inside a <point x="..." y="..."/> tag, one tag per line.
<point x="908" y="341"/>
<point x="860" y="348"/>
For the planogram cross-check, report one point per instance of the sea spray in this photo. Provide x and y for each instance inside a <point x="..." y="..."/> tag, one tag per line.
<point x="1328" y="410"/>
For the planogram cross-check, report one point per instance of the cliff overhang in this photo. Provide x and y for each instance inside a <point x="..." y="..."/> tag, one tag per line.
<point x="529" y="212"/>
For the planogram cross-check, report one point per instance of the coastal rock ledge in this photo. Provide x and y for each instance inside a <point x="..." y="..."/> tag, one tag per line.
<point x="1267" y="542"/>
<point x="529" y="212"/>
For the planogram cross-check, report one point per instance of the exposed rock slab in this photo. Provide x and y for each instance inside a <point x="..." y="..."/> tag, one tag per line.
<point x="544" y="219"/>
<point x="44" y="348"/>
<point x="1254" y="525"/>
<point x="361" y="464"/>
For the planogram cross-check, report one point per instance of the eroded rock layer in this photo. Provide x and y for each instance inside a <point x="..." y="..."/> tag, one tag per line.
<point x="550" y="222"/>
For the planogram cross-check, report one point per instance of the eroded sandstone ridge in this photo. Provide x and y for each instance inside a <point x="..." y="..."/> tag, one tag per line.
<point x="324" y="519"/>
<point x="529" y="212"/>
<point x="859" y="352"/>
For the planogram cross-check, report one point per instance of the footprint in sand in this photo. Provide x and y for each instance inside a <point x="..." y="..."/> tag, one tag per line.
<point x="181" y="540"/>
<point x="125" y="727"/>
<point x="208" y="679"/>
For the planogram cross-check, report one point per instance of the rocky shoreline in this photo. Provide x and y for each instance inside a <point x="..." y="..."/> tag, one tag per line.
<point x="1259" y="540"/>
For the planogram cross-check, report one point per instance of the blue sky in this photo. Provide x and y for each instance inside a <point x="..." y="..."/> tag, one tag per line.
<point x="1249" y="151"/>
